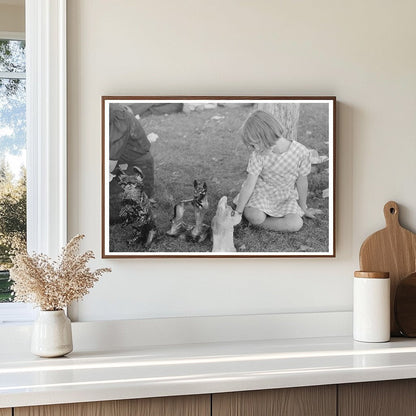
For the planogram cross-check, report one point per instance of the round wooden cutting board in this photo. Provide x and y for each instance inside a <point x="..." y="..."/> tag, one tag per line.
<point x="405" y="306"/>
<point x="393" y="250"/>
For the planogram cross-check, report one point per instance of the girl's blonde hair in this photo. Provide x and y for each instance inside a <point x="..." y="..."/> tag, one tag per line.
<point x="261" y="130"/>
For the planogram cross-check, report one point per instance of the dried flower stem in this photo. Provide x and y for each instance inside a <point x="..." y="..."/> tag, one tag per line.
<point x="53" y="285"/>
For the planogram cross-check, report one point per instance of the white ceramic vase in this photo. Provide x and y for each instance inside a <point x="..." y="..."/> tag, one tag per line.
<point x="52" y="334"/>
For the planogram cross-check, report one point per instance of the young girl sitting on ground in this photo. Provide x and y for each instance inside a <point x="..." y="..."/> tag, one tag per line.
<point x="274" y="194"/>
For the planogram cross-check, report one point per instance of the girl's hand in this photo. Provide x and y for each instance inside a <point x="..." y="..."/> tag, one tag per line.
<point x="311" y="212"/>
<point x="236" y="214"/>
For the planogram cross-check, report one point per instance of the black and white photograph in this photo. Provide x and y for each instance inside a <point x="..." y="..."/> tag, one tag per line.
<point x="218" y="176"/>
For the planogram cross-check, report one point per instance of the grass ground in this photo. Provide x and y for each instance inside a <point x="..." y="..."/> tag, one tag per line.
<point x="196" y="146"/>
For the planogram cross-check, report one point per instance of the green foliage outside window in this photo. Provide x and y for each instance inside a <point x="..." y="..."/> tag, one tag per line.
<point x="12" y="145"/>
<point x="12" y="223"/>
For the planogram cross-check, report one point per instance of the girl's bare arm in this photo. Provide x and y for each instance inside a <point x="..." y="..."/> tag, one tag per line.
<point x="246" y="192"/>
<point x="302" y="187"/>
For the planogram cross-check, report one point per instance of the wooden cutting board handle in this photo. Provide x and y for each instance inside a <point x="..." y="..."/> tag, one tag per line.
<point x="393" y="250"/>
<point x="391" y="214"/>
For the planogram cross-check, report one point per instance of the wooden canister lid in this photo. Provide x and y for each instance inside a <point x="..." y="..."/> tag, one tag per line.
<point x="372" y="275"/>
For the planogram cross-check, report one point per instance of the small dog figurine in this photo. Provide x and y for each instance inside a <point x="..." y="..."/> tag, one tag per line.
<point x="223" y="227"/>
<point x="135" y="207"/>
<point x="200" y="205"/>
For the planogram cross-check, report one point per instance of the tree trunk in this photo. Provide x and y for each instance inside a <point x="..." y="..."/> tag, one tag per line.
<point x="287" y="114"/>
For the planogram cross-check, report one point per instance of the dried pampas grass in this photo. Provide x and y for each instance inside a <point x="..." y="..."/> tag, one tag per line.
<point x="53" y="285"/>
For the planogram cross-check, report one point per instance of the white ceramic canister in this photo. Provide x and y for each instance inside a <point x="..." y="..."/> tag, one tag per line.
<point x="371" y="310"/>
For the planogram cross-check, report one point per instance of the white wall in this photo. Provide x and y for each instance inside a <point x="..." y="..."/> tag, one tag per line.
<point x="361" y="51"/>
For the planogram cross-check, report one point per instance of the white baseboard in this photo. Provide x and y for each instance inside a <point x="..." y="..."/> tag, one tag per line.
<point x="113" y="335"/>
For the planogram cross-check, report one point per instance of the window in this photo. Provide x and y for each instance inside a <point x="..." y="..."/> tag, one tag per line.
<point x="46" y="134"/>
<point x="12" y="165"/>
<point x="12" y="153"/>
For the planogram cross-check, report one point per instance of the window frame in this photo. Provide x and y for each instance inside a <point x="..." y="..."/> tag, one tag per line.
<point x="46" y="121"/>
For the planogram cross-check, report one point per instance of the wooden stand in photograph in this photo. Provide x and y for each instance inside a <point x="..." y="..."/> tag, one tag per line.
<point x="392" y="250"/>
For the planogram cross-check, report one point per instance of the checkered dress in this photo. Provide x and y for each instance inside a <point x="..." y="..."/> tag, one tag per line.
<point x="275" y="192"/>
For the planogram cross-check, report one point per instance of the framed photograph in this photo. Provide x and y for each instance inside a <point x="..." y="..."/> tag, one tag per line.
<point x="218" y="176"/>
